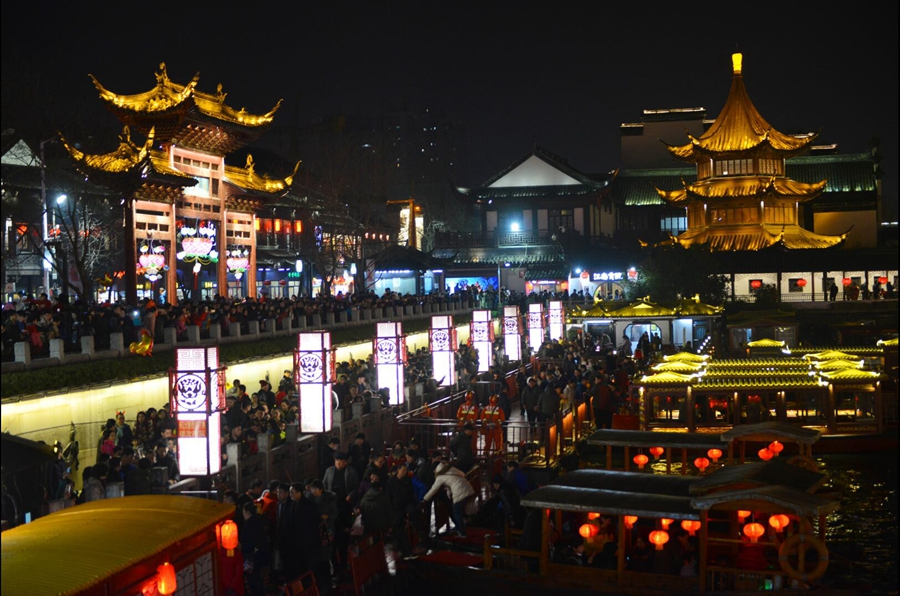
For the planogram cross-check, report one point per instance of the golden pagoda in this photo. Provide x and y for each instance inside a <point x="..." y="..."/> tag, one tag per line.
<point x="742" y="199"/>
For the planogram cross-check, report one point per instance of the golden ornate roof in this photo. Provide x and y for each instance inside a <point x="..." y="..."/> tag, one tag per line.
<point x="643" y="308"/>
<point x="830" y="355"/>
<point x="756" y="188"/>
<point x="888" y="342"/>
<point x="837" y="364"/>
<point x="666" y="378"/>
<point x="851" y="374"/>
<point x="755" y="236"/>
<point x="762" y="363"/>
<point x="740" y="128"/>
<point x="247" y="179"/>
<point x="693" y="307"/>
<point x="766" y="343"/>
<point x="759" y="382"/>
<point x="679" y="367"/>
<point x="685" y="357"/>
<point x="167" y="96"/>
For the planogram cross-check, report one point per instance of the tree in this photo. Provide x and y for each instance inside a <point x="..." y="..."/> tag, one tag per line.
<point x="670" y="272"/>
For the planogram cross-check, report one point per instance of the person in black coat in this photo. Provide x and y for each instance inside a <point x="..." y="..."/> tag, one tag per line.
<point x="255" y="549"/>
<point x="461" y="446"/>
<point x="303" y="540"/>
<point x="403" y="504"/>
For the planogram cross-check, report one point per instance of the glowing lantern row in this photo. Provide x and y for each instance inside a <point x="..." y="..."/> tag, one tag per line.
<point x="775" y="447"/>
<point x="659" y="538"/>
<point x="166" y="583"/>
<point x="691" y="525"/>
<point x="238" y="261"/>
<point x="702" y="463"/>
<point x="656" y="452"/>
<point x="588" y="530"/>
<point x="766" y="454"/>
<point x="197" y="244"/>
<point x="641" y="460"/>
<point x="754" y="531"/>
<point x="779" y="522"/>
<point x="714" y="454"/>
<point x="229" y="537"/>
<point x="630" y="520"/>
<point x="152" y="261"/>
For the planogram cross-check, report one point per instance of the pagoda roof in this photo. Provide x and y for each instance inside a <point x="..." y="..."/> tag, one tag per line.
<point x="766" y="343"/>
<point x="128" y="166"/>
<point x="685" y="357"/>
<point x="888" y="342"/>
<point x="760" y="381"/>
<point x="181" y="114"/>
<point x="750" y="187"/>
<point x="687" y="368"/>
<point x="764" y="363"/>
<point x="246" y="179"/>
<point x="756" y="237"/>
<point x="837" y="364"/>
<point x="693" y="307"/>
<point x="667" y="378"/>
<point x="830" y="355"/>
<point x="741" y="129"/>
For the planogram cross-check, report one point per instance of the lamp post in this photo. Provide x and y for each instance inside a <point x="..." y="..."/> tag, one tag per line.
<point x="45" y="264"/>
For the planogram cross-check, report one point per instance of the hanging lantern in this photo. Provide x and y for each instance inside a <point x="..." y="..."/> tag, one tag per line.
<point x="801" y="283"/>
<point x="714" y="454"/>
<point x="267" y="283"/>
<point x="229" y="537"/>
<point x="166" y="583"/>
<point x="588" y="530"/>
<point x="743" y="514"/>
<point x="665" y="523"/>
<point x="775" y="447"/>
<point x="629" y="521"/>
<point x="282" y="282"/>
<point x="756" y="284"/>
<point x="702" y="463"/>
<point x="593" y="515"/>
<point x="882" y="280"/>
<point x="754" y="531"/>
<point x="641" y="460"/>
<point x="656" y="452"/>
<point x="779" y="521"/>
<point x="691" y="525"/>
<point x="766" y="454"/>
<point x="659" y="538"/>
<point x="846" y="281"/>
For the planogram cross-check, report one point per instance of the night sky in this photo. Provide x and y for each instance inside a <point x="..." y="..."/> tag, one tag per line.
<point x="562" y="77"/>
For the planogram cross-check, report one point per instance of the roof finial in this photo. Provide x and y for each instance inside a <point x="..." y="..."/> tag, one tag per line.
<point x="736" y="62"/>
<point x="162" y="76"/>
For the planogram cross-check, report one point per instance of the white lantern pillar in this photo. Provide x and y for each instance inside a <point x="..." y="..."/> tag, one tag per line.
<point x="314" y="373"/>
<point x="512" y="333"/>
<point x="481" y="337"/>
<point x="389" y="349"/>
<point x="535" y="325"/>
<point x="557" y="319"/>
<point x="441" y="344"/>
<point x="197" y="400"/>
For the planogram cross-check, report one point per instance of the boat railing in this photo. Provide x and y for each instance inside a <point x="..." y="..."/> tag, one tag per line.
<point x="510" y="559"/>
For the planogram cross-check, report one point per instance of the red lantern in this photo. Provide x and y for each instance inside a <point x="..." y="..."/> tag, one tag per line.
<point x="641" y="460"/>
<point x="593" y="515"/>
<point x="588" y="530"/>
<point x="665" y="523"/>
<point x="801" y="283"/>
<point x="702" y="463"/>
<point x="714" y="454"/>
<point x="775" y="447"/>
<point x="882" y="280"/>
<point x="754" y="531"/>
<point x="766" y="454"/>
<point x="166" y="583"/>
<point x="282" y="282"/>
<point x="229" y="537"/>
<point x="629" y="521"/>
<point x="779" y="521"/>
<point x="267" y="283"/>
<point x="755" y="284"/>
<point x="691" y="525"/>
<point x="743" y="514"/>
<point x="659" y="538"/>
<point x="656" y="452"/>
<point x="847" y="281"/>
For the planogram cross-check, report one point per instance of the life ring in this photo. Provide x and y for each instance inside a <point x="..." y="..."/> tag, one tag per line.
<point x="805" y="462"/>
<point x="791" y="547"/>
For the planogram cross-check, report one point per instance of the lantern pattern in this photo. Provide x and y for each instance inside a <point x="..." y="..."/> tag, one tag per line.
<point x="197" y="400"/>
<point x="481" y="337"/>
<point x="197" y="244"/>
<point x="152" y="261"/>
<point x="702" y="463"/>
<point x="557" y="317"/>
<point x="753" y="531"/>
<point x="535" y="325"/>
<point x="779" y="521"/>
<point x="314" y="374"/>
<point x="691" y="525"/>
<point x="659" y="538"/>
<point x="641" y="460"/>
<point x="166" y="583"/>
<point x="588" y="531"/>
<point x="442" y="343"/>
<point x="714" y="454"/>
<point x="776" y="448"/>
<point x="229" y="537"/>
<point x="512" y="333"/>
<point x="237" y="261"/>
<point x="656" y="452"/>
<point x="630" y="521"/>
<point x="389" y="350"/>
<point x="765" y="454"/>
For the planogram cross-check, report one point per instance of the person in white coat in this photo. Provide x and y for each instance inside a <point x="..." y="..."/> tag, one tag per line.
<point x="460" y="491"/>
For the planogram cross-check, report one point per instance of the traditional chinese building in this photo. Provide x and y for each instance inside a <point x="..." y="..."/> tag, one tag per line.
<point x="190" y="218"/>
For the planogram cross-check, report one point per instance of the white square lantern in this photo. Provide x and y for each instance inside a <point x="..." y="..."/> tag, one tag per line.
<point x="197" y="399"/>
<point x="557" y="316"/>
<point x="442" y="344"/>
<point x="512" y="333"/>
<point x="535" y="326"/>
<point x="389" y="349"/>
<point x="481" y="337"/>
<point x="314" y="373"/>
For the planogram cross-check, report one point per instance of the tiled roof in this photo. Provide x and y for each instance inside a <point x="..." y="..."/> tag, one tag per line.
<point x="637" y="188"/>
<point x="558" y="273"/>
<point x="527" y="192"/>
<point x="489" y="257"/>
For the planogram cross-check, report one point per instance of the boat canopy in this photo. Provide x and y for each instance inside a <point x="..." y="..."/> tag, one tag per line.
<point x="769" y="498"/>
<point x="772" y="431"/>
<point x="772" y="473"/>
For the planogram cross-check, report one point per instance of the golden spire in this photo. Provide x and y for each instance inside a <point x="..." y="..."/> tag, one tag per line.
<point x="736" y="62"/>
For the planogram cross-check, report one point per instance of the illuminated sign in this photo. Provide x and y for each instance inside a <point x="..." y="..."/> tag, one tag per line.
<point x="442" y="342"/>
<point x="512" y="332"/>
<point x="481" y="337"/>
<point x="314" y="373"/>
<point x="196" y="399"/>
<point x="607" y="276"/>
<point x="389" y="351"/>
<point x="535" y="326"/>
<point x="557" y="318"/>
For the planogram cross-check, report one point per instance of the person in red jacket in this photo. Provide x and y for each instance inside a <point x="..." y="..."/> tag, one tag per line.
<point x="492" y="418"/>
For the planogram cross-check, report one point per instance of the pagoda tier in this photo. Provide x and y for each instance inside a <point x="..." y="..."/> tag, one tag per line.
<point x="182" y="115"/>
<point x="740" y="131"/>
<point x="752" y="187"/>
<point x="248" y="183"/>
<point x="132" y="169"/>
<point x="756" y="237"/>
